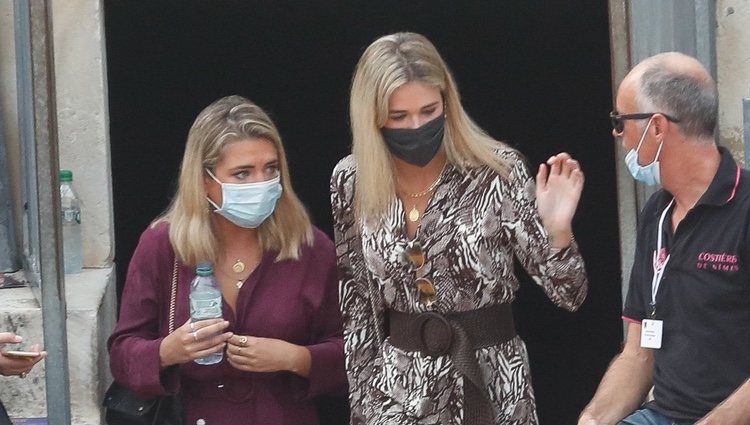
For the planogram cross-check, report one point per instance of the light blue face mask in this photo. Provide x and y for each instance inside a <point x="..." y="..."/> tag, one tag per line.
<point x="247" y="204"/>
<point x="648" y="174"/>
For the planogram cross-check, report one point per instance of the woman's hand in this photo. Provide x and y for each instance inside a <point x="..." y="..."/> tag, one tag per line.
<point x="193" y="340"/>
<point x="14" y="365"/>
<point x="559" y="183"/>
<point x="253" y="354"/>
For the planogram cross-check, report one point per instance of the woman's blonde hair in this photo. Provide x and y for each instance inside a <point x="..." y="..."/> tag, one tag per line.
<point x="387" y="64"/>
<point x="228" y="120"/>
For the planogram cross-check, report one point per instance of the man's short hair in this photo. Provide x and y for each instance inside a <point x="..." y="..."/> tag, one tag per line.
<point x="690" y="98"/>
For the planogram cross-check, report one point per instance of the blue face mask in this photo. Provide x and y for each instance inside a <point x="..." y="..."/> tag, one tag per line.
<point x="247" y="204"/>
<point x="648" y="174"/>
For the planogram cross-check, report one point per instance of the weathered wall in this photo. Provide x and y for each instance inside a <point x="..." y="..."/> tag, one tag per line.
<point x="733" y="66"/>
<point x="83" y="126"/>
<point x="83" y="130"/>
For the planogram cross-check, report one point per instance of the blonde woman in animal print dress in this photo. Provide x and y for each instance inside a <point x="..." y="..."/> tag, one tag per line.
<point x="428" y="214"/>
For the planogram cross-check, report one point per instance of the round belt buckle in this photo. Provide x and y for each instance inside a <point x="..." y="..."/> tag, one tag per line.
<point x="435" y="333"/>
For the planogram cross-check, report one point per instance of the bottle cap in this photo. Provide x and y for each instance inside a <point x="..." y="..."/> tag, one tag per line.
<point x="66" y="176"/>
<point x="204" y="269"/>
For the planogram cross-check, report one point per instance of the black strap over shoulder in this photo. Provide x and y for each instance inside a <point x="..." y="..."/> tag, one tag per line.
<point x="125" y="408"/>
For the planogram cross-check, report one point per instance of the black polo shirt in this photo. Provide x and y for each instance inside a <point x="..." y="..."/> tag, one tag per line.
<point x="704" y="296"/>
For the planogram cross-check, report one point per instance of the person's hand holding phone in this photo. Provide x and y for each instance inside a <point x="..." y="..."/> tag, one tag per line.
<point x="18" y="362"/>
<point x="15" y="354"/>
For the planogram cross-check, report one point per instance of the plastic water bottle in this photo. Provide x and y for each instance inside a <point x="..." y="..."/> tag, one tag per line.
<point x="205" y="303"/>
<point x="71" y="223"/>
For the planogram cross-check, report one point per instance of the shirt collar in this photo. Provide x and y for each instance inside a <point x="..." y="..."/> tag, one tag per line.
<point x="724" y="186"/>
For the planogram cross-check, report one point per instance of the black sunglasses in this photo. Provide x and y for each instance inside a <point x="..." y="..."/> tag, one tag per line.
<point x="415" y="256"/>
<point x="618" y="123"/>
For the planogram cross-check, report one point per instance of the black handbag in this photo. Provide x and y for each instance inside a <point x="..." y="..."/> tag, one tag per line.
<point x="123" y="407"/>
<point x="4" y="419"/>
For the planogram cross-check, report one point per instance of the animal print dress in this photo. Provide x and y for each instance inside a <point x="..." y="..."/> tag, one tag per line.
<point x="474" y="224"/>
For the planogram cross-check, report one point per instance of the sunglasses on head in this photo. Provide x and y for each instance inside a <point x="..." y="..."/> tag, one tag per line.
<point x="415" y="256"/>
<point x="618" y="120"/>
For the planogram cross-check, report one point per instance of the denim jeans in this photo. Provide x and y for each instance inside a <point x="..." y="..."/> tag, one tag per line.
<point x="650" y="417"/>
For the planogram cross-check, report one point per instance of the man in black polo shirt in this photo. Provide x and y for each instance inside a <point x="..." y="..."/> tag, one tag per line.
<point x="688" y="307"/>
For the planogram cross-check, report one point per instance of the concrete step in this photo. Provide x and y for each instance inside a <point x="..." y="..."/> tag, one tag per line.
<point x="91" y="315"/>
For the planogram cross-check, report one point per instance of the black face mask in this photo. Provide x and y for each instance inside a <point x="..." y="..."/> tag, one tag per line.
<point x="416" y="146"/>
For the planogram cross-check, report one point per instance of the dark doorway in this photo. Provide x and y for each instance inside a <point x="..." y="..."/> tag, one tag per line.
<point x="535" y="73"/>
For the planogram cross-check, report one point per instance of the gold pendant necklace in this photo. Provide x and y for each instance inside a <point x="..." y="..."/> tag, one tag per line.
<point x="414" y="214"/>
<point x="238" y="266"/>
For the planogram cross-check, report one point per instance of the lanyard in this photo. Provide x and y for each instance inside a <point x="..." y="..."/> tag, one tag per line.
<point x="661" y="257"/>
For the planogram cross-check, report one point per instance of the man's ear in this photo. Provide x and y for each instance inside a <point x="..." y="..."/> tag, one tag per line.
<point x="659" y="125"/>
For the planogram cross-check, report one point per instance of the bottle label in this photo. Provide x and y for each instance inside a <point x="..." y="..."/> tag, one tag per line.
<point x="71" y="216"/>
<point x="201" y="309"/>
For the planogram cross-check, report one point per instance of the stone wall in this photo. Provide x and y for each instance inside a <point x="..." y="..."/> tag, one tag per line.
<point x="733" y="66"/>
<point x="83" y="130"/>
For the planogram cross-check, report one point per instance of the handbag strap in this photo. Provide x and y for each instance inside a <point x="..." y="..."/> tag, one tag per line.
<point x="173" y="296"/>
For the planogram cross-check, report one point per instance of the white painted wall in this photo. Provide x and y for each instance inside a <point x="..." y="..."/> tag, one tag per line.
<point x="733" y="68"/>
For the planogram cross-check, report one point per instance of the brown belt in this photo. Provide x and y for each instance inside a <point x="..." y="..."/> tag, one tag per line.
<point x="457" y="334"/>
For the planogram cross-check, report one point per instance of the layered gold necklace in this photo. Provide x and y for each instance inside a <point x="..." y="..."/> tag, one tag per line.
<point x="414" y="214"/>
<point x="239" y="268"/>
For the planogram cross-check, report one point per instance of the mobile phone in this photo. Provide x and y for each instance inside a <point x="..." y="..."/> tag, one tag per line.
<point x="14" y="354"/>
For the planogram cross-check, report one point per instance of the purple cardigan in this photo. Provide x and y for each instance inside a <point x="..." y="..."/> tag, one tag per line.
<point x="295" y="301"/>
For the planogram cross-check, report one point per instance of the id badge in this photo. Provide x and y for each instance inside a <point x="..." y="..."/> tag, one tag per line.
<point x="651" y="332"/>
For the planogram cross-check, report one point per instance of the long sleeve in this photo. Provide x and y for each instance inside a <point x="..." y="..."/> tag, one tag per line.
<point x="134" y="344"/>
<point x="560" y="272"/>
<point x="327" y="374"/>
<point x="361" y="342"/>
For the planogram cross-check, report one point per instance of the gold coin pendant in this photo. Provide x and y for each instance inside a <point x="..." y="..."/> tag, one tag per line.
<point x="238" y="266"/>
<point x="414" y="214"/>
